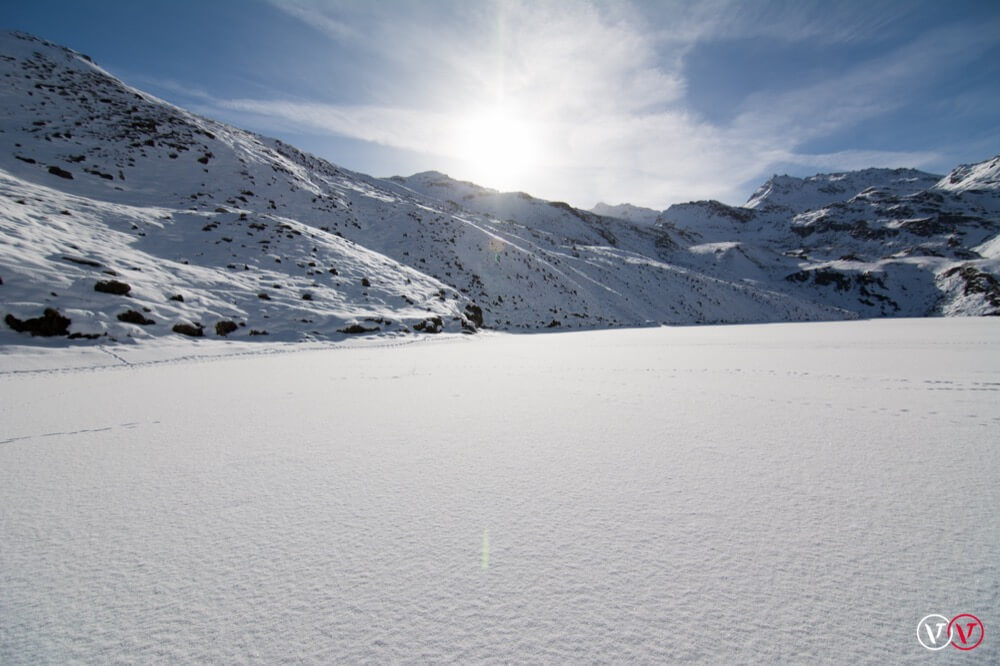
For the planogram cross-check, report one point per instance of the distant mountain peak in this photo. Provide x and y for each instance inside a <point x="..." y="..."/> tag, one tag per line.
<point x="798" y="194"/>
<point x="635" y="214"/>
<point x="980" y="176"/>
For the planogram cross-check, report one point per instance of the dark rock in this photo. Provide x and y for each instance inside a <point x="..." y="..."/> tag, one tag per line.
<point x="62" y="173"/>
<point x="354" y="329"/>
<point x="50" y="324"/>
<point x="189" y="330"/>
<point x="84" y="336"/>
<point x="862" y="231"/>
<point x="83" y="262"/>
<point x="822" y="277"/>
<point x="429" y="325"/>
<point x="177" y="297"/>
<point x="113" y="287"/>
<point x="100" y="174"/>
<point x="928" y="226"/>
<point x="475" y="314"/>
<point x="134" y="317"/>
<point x="225" y="327"/>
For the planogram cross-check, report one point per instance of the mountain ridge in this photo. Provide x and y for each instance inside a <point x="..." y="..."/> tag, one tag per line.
<point x="102" y="182"/>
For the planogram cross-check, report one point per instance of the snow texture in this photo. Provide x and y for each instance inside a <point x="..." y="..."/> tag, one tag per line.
<point x="792" y="493"/>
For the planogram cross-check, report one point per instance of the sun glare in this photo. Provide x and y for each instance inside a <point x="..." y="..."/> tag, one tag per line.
<point x="498" y="148"/>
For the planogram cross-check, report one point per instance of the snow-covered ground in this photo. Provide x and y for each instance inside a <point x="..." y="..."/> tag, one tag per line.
<point x="783" y="492"/>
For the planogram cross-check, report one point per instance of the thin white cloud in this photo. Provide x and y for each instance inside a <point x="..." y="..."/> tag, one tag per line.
<point x="311" y="14"/>
<point x="174" y="87"/>
<point x="871" y="88"/>
<point x="410" y="129"/>
<point x="786" y="21"/>
<point x="849" y="160"/>
<point x="602" y="88"/>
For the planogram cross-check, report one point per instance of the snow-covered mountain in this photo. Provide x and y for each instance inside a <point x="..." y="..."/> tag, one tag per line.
<point x="122" y="217"/>
<point x="878" y="242"/>
<point x="980" y="178"/>
<point x="636" y="214"/>
<point x="787" y="193"/>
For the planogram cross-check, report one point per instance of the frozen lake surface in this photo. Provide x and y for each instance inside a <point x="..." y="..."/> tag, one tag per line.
<point x="786" y="492"/>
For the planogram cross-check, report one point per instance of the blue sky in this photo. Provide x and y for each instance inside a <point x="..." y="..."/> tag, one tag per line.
<point x="648" y="103"/>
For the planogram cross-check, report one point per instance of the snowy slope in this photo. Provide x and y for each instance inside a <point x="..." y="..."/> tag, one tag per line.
<point x="982" y="177"/>
<point x="737" y="494"/>
<point x="637" y="273"/>
<point x="876" y="242"/>
<point x="102" y="182"/>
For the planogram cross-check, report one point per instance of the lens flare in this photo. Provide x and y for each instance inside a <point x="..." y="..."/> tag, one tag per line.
<point x="498" y="147"/>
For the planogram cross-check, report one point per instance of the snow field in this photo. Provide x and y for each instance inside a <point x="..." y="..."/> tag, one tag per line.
<point x="784" y="492"/>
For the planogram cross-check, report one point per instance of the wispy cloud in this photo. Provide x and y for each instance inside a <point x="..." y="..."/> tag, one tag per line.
<point x="799" y="20"/>
<point x="871" y="87"/>
<point x="410" y="129"/>
<point x="311" y="13"/>
<point x="602" y="86"/>
<point x="174" y="87"/>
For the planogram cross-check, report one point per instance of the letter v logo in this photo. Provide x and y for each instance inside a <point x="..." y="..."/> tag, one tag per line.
<point x="966" y="634"/>
<point x="939" y="627"/>
<point x="929" y="632"/>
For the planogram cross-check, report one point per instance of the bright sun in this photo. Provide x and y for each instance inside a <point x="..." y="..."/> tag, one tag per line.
<point x="498" y="148"/>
